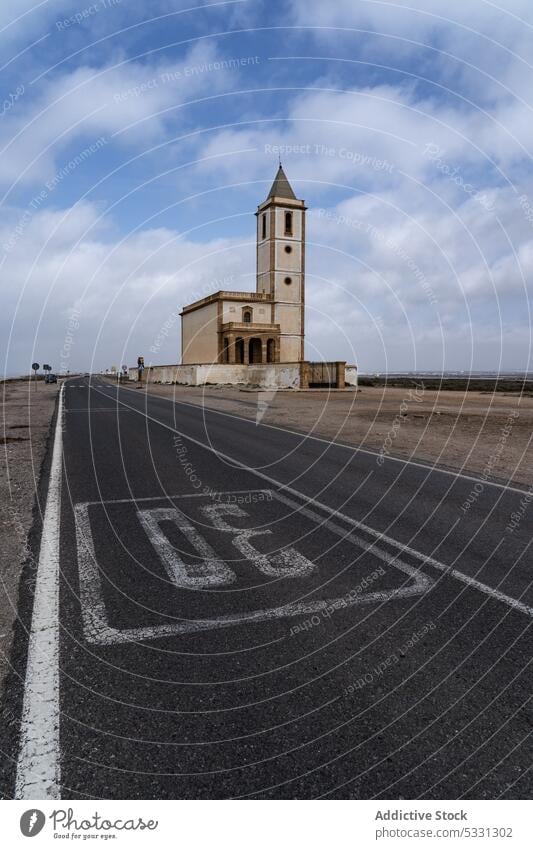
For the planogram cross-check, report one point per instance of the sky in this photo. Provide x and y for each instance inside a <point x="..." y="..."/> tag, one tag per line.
<point x="137" y="140"/>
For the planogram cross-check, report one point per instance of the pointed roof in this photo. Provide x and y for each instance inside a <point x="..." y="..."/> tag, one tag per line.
<point x="281" y="187"/>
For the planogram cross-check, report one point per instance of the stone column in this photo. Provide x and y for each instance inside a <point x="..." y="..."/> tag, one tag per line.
<point x="263" y="350"/>
<point x="231" y="348"/>
<point x="246" y="341"/>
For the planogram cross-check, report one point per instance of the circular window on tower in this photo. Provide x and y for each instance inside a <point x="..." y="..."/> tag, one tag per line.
<point x="288" y="249"/>
<point x="288" y="281"/>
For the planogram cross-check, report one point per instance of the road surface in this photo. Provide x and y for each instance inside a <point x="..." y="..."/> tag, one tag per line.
<point x="225" y="609"/>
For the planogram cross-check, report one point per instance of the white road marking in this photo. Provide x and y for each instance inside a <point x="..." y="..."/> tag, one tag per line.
<point x="96" y="410"/>
<point x="97" y="628"/>
<point x="334" y="444"/>
<point x="210" y="572"/>
<point x="492" y="592"/>
<point x="93" y="611"/>
<point x="287" y="563"/>
<point x="425" y="559"/>
<point x="38" y="767"/>
<point x="234" y="492"/>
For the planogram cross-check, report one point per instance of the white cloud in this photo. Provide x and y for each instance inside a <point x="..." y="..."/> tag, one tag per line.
<point x="365" y="138"/>
<point x="125" y="290"/>
<point x="128" y="103"/>
<point x="418" y="19"/>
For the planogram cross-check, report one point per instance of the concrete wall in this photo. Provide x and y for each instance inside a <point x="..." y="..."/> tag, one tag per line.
<point x="275" y="375"/>
<point x="288" y="375"/>
<point x="335" y="374"/>
<point x="322" y="374"/>
<point x="271" y="376"/>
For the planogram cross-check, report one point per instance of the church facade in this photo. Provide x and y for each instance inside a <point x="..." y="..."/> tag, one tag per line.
<point x="268" y="325"/>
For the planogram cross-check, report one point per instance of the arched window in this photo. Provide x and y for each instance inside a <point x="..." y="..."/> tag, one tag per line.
<point x="288" y="223"/>
<point x="263" y="226"/>
<point x="247" y="316"/>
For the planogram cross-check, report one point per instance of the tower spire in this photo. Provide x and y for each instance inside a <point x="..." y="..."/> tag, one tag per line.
<point x="281" y="187"/>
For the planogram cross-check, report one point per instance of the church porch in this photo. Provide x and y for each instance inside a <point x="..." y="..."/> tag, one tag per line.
<point x="249" y="344"/>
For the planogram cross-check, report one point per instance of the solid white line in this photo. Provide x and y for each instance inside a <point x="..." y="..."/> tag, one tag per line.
<point x="38" y="769"/>
<point x="354" y="448"/>
<point x="424" y="559"/>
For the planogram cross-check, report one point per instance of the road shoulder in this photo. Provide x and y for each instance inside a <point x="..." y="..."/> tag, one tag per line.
<point x="23" y="489"/>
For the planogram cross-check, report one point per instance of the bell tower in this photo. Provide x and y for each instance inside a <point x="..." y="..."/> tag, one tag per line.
<point x="281" y="264"/>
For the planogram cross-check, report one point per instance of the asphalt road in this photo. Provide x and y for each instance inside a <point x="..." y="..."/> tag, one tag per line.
<point x="246" y="612"/>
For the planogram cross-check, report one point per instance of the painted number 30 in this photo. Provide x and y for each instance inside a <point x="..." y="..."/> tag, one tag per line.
<point x="211" y="571"/>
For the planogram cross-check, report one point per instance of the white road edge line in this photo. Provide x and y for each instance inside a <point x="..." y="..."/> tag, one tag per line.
<point x="334" y="444"/>
<point x="38" y="766"/>
<point x="423" y="558"/>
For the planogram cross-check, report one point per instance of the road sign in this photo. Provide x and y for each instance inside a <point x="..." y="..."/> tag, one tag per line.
<point x="35" y="366"/>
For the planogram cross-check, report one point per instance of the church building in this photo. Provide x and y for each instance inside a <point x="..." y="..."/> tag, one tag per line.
<point x="265" y="326"/>
<point x="256" y="339"/>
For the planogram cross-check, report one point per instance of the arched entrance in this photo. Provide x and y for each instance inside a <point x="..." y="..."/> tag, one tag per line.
<point x="239" y="350"/>
<point x="271" y="351"/>
<point x="254" y="351"/>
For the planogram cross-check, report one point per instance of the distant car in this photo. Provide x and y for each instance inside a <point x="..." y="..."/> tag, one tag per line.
<point x="50" y="378"/>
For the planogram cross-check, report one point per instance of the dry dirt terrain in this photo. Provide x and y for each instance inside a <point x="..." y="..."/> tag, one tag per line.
<point x="25" y="418"/>
<point x="482" y="432"/>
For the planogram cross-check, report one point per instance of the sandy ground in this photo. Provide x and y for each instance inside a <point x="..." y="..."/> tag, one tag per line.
<point x="486" y="433"/>
<point x="25" y="417"/>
